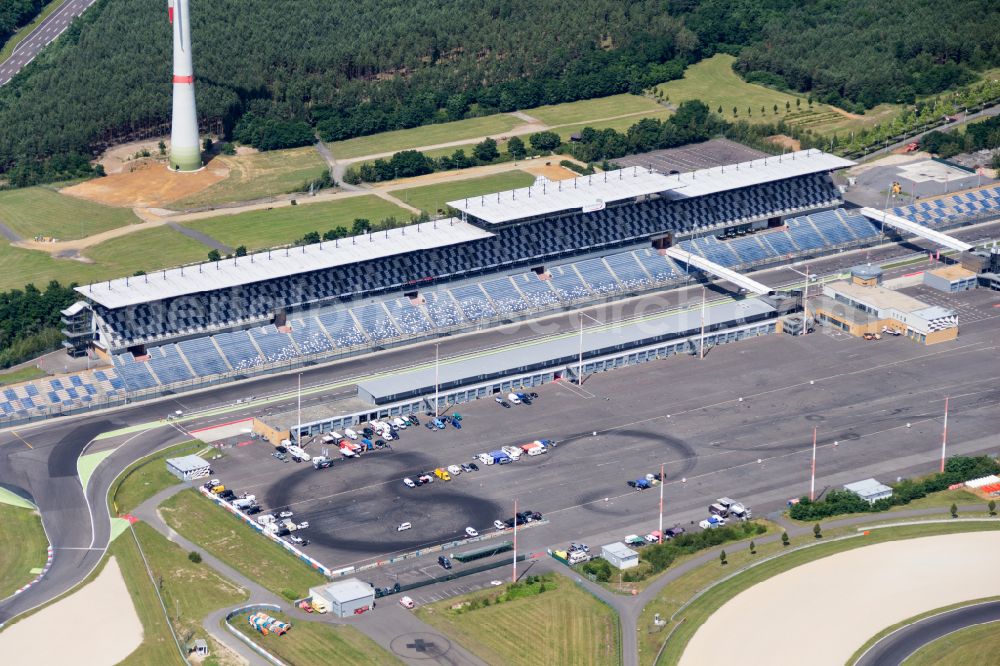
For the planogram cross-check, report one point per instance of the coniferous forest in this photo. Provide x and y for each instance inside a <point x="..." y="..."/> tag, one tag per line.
<point x="278" y="74"/>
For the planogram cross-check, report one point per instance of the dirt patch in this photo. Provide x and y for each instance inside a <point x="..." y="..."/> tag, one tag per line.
<point x="148" y="183"/>
<point x="95" y="625"/>
<point x="785" y="141"/>
<point x="552" y="171"/>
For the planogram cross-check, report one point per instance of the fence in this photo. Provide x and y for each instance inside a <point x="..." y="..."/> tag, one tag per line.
<point x="618" y="623"/>
<point x="250" y="643"/>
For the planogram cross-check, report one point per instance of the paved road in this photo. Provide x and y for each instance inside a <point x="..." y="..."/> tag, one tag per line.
<point x="48" y="30"/>
<point x="945" y="127"/>
<point x="39" y="461"/>
<point x="895" y="648"/>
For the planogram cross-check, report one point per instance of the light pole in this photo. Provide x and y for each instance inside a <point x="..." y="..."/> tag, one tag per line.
<point x="299" y="427"/>
<point x="944" y="435"/>
<point x="579" y="362"/>
<point x="663" y="482"/>
<point x="812" y="482"/>
<point x="805" y="296"/>
<point x="514" y="574"/>
<point x="437" y="351"/>
<point x="701" y="353"/>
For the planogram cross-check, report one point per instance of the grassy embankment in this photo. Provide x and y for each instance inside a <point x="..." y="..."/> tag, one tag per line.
<point x="238" y="545"/>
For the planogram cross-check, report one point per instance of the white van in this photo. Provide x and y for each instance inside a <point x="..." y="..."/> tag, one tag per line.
<point x="513" y="398"/>
<point x="351" y="434"/>
<point x="400" y="423"/>
<point x="485" y="458"/>
<point x="577" y="556"/>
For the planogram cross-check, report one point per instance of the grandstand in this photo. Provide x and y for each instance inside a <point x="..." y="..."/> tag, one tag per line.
<point x="539" y="249"/>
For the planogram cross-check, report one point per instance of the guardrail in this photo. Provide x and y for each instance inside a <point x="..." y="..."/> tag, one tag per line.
<point x="240" y="635"/>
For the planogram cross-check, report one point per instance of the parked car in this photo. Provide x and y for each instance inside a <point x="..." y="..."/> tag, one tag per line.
<point x="439" y="424"/>
<point x="444" y="562"/>
<point x="498" y="399"/>
<point x="456" y="416"/>
<point x="296" y="540"/>
<point x="466" y="468"/>
<point x="471" y="532"/>
<point x="456" y="424"/>
<point x="251" y="510"/>
<point x="533" y="395"/>
<point x="408" y="482"/>
<point x="303" y="525"/>
<point x="505" y="404"/>
<point x="429" y="425"/>
<point x="442" y="474"/>
<point x="403" y="527"/>
<point x="351" y="434"/>
<point x="413" y="419"/>
<point x="406" y="602"/>
<point x="474" y="467"/>
<point x="426" y="478"/>
<point x="672" y="532"/>
<point x="285" y="514"/>
<point x="499" y="524"/>
<point x="454" y="470"/>
<point x="368" y="432"/>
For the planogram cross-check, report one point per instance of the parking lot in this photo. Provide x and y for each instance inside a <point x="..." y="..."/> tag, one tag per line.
<point x="738" y="423"/>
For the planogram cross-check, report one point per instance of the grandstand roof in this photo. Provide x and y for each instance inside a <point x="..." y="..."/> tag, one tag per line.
<point x="593" y="192"/>
<point x="268" y="265"/>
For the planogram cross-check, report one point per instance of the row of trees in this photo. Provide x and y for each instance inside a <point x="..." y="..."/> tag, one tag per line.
<point x="958" y="469"/>
<point x="409" y="163"/>
<point x="29" y="321"/>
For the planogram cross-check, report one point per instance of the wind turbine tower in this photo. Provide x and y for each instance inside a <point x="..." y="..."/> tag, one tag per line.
<point x="185" y="151"/>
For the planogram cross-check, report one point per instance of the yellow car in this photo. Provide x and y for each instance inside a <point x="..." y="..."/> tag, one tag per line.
<point x="442" y="474"/>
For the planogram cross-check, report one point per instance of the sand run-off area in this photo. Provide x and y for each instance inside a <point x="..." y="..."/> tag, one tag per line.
<point x="821" y="612"/>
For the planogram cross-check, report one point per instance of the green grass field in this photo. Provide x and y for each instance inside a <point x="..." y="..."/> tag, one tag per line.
<point x="592" y="109"/>
<point x="677" y="592"/>
<point x="316" y="643"/>
<point x="18" y="37"/>
<point x="39" y="211"/>
<point x="427" y="135"/>
<point x="563" y="625"/>
<point x="714" y="82"/>
<point x="261" y="229"/>
<point x="973" y="645"/>
<point x="147" y="250"/>
<point x="432" y="198"/>
<point x="620" y="124"/>
<point x="190" y="592"/>
<point x="143" y="479"/>
<point x="260" y="175"/>
<point x="22" y="547"/>
<point x="22" y="375"/>
<point x="238" y="545"/>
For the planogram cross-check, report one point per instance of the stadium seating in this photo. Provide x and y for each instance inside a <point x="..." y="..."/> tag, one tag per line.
<point x="203" y="356"/>
<point x="566" y="282"/>
<point x="409" y="318"/>
<point x="309" y="335"/>
<point x="952" y="209"/>
<point x="518" y="244"/>
<point x="474" y="302"/>
<point x="598" y="276"/>
<point x="375" y="322"/>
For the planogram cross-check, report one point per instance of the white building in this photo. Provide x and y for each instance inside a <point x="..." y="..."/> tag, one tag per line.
<point x="188" y="468"/>
<point x="343" y="598"/>
<point x="620" y="555"/>
<point x="869" y="490"/>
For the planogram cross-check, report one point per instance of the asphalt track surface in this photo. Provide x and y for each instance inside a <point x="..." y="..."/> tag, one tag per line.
<point x="895" y="648"/>
<point x="39" y="461"/>
<point x="53" y="26"/>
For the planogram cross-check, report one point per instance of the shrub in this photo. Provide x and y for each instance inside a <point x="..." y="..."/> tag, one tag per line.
<point x="784" y="538"/>
<point x="289" y="594"/>
<point x="195" y="556"/>
<point x="599" y="568"/>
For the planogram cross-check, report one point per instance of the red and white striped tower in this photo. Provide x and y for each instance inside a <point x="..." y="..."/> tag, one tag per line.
<point x="185" y="151"/>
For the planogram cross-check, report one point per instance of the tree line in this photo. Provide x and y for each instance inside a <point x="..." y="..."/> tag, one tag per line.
<point x="958" y="469"/>
<point x="29" y="321"/>
<point x="15" y="14"/>
<point x="277" y="75"/>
